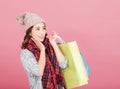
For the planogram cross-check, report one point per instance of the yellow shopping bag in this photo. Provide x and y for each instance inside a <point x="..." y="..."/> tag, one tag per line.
<point x="75" y="74"/>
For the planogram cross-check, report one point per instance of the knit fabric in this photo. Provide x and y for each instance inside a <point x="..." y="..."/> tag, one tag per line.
<point x="29" y="19"/>
<point x="52" y="75"/>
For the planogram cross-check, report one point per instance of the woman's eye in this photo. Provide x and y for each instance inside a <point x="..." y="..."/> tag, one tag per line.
<point x="44" y="28"/>
<point x="38" y="28"/>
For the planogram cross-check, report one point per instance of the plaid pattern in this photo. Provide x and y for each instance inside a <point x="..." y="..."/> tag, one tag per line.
<point x="52" y="76"/>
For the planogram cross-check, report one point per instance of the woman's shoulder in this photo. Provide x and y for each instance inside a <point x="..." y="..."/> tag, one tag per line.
<point x="25" y="53"/>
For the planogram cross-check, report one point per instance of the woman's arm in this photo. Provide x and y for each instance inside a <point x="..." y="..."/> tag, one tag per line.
<point x="63" y="61"/>
<point x="30" y="64"/>
<point x="58" y="52"/>
<point x="41" y="62"/>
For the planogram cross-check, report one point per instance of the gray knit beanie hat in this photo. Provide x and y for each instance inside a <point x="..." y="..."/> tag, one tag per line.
<point x="29" y="19"/>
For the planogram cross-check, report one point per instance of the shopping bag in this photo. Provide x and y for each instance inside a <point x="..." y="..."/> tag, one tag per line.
<point x="85" y="64"/>
<point x="75" y="74"/>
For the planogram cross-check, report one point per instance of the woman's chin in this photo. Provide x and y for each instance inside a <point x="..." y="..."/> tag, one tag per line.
<point x="41" y="39"/>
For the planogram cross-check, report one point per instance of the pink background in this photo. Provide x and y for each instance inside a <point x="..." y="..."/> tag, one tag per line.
<point x="94" y="24"/>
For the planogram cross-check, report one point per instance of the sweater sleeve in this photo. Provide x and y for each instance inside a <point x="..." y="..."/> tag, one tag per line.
<point x="64" y="63"/>
<point x="29" y="62"/>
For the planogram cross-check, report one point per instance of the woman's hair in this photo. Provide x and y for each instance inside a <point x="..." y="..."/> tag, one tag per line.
<point x="26" y="38"/>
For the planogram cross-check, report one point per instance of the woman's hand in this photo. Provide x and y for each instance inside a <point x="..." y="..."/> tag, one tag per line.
<point x="53" y="37"/>
<point x="38" y="43"/>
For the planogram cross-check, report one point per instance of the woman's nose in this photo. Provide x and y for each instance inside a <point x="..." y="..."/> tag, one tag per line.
<point x="41" y="31"/>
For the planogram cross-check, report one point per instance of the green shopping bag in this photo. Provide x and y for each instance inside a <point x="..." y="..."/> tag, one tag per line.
<point x="75" y="74"/>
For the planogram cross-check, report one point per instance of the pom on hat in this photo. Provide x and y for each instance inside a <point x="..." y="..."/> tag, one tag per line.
<point x="20" y="19"/>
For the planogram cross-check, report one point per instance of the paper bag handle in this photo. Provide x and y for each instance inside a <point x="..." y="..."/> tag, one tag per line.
<point x="61" y="40"/>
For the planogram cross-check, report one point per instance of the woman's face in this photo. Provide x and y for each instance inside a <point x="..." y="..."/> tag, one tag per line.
<point x="39" y="31"/>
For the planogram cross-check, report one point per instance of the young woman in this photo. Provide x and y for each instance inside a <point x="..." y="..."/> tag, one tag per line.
<point x="40" y="54"/>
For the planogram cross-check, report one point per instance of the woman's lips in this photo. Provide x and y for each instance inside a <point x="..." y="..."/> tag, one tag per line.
<point x="41" y="37"/>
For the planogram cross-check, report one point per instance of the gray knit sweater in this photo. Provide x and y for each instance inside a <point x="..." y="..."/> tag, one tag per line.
<point x="31" y="68"/>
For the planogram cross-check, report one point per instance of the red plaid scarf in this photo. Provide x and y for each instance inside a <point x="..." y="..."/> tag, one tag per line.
<point x="52" y="76"/>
